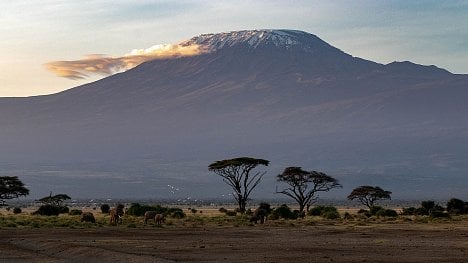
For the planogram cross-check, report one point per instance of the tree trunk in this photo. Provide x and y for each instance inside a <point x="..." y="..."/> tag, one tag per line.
<point x="242" y="204"/>
<point x="301" y="208"/>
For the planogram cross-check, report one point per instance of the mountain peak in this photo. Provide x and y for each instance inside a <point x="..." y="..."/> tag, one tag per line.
<point x="280" y="38"/>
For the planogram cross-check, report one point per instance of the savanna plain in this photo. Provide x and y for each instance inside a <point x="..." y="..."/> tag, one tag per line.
<point x="207" y="235"/>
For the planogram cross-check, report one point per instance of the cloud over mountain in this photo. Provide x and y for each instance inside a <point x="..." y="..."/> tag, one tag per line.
<point x="106" y="65"/>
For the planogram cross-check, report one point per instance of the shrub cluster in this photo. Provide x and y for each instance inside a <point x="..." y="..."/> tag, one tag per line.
<point x="427" y="208"/>
<point x="51" y="210"/>
<point x="379" y="212"/>
<point x="457" y="207"/>
<point x="136" y="209"/>
<point x="105" y="208"/>
<point x="283" y="211"/>
<point x="228" y="212"/>
<point x="75" y="212"/>
<point x="328" y="212"/>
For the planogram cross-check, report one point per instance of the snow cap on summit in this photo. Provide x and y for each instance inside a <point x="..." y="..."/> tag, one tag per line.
<point x="281" y="38"/>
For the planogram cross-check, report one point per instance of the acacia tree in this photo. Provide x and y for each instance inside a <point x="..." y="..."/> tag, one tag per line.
<point x="237" y="174"/>
<point x="304" y="185"/>
<point x="368" y="195"/>
<point x="55" y="200"/>
<point x="11" y="187"/>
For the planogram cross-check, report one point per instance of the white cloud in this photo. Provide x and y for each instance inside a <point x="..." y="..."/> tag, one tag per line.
<point x="104" y="65"/>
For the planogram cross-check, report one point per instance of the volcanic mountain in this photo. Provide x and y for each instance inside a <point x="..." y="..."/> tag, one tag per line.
<point x="282" y="95"/>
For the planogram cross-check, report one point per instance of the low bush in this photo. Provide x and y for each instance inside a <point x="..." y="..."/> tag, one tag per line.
<point x="439" y="214"/>
<point x="17" y="210"/>
<point x="386" y="213"/>
<point x="230" y="213"/>
<point x="75" y="212"/>
<point x="51" y="210"/>
<point x="105" y="208"/>
<point x="364" y="212"/>
<point x="177" y="214"/>
<point x="316" y="211"/>
<point x="408" y="211"/>
<point x="347" y="216"/>
<point x="136" y="209"/>
<point x="328" y="212"/>
<point x="283" y="211"/>
<point x="428" y="208"/>
<point x="457" y="206"/>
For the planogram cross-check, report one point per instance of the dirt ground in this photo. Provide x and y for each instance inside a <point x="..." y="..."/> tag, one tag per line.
<point x="398" y="242"/>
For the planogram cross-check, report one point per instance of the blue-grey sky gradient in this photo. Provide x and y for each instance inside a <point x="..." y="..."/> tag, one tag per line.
<point x="34" y="32"/>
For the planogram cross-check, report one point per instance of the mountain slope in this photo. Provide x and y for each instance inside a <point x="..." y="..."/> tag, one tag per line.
<point x="283" y="95"/>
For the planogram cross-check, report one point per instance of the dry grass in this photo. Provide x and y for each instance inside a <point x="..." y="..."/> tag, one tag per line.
<point x="208" y="217"/>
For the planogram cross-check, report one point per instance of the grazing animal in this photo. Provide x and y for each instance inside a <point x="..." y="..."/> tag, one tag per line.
<point x="159" y="219"/>
<point x="259" y="215"/>
<point x="150" y="215"/>
<point x="88" y="217"/>
<point x="116" y="215"/>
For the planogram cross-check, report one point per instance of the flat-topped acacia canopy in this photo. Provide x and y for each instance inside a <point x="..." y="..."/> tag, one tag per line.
<point x="237" y="162"/>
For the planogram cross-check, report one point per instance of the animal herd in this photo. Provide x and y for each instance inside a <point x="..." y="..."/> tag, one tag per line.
<point x="153" y="215"/>
<point x="117" y="213"/>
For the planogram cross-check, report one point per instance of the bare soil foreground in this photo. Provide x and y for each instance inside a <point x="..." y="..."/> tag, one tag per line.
<point x="396" y="242"/>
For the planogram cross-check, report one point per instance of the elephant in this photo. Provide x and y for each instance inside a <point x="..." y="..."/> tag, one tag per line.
<point x="159" y="219"/>
<point x="150" y="215"/>
<point x="260" y="214"/>
<point x="116" y="215"/>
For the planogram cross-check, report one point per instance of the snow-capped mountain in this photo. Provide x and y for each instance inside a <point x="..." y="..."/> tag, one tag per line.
<point x="283" y="95"/>
<point x="285" y="39"/>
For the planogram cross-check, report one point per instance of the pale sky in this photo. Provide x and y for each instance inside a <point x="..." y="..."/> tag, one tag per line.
<point x="36" y="32"/>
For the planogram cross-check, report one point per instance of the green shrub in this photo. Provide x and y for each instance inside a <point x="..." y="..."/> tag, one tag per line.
<point x="177" y="213"/>
<point x="386" y="213"/>
<point x="439" y="214"/>
<point x="11" y="224"/>
<point x="223" y="210"/>
<point x="409" y="211"/>
<point x="376" y="209"/>
<point x="347" y="216"/>
<point x="230" y="213"/>
<point x="105" y="208"/>
<point x="75" y="212"/>
<point x="48" y="210"/>
<point x="136" y="209"/>
<point x="364" y="212"/>
<point x="427" y="205"/>
<point x="316" y="211"/>
<point x="64" y="210"/>
<point x="328" y="212"/>
<point x="17" y="210"/>
<point x="283" y="211"/>
<point x="455" y="206"/>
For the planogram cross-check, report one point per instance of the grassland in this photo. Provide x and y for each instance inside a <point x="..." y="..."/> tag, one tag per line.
<point x="210" y="236"/>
